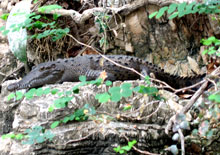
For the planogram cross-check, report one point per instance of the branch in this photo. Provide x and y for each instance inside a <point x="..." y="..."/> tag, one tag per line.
<point x="80" y="18"/>
<point x="192" y="100"/>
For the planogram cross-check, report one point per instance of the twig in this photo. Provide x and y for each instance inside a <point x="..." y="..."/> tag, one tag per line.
<point x="187" y="107"/>
<point x="182" y="141"/>
<point x="189" y="87"/>
<point x="80" y="139"/>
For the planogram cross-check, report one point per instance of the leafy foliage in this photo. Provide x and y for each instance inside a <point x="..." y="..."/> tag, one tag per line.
<point x="33" y="21"/>
<point x="79" y="115"/>
<point x="181" y="9"/>
<point x="49" y="8"/>
<point x="37" y="135"/>
<point x="13" y="136"/>
<point x="125" y="149"/>
<point x="214" y="46"/>
<point x="102" y="20"/>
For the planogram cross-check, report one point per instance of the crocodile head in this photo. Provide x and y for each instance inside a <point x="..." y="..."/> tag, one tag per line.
<point x="44" y="73"/>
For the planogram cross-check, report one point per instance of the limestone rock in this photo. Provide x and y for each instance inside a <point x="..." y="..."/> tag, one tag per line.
<point x="81" y="137"/>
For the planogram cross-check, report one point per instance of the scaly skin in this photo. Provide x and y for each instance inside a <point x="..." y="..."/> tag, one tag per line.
<point x="63" y="70"/>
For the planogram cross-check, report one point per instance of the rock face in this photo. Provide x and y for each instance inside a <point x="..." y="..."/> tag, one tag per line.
<point x="103" y="131"/>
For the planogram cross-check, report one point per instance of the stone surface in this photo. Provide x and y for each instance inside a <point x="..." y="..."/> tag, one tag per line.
<point x="102" y="132"/>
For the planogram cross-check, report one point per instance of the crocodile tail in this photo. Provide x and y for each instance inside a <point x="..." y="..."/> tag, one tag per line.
<point x="178" y="82"/>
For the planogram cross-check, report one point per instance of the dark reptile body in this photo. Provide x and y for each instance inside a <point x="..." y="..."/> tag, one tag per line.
<point x="63" y="70"/>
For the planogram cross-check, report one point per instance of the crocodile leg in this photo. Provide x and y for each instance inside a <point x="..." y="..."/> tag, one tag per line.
<point x="94" y="74"/>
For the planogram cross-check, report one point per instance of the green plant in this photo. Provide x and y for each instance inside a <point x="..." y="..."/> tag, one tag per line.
<point x="101" y="20"/>
<point x="125" y="149"/>
<point x="13" y="136"/>
<point x="37" y="135"/>
<point x="181" y="9"/>
<point x="81" y="114"/>
<point x="115" y="94"/>
<point x="33" y="20"/>
<point x="214" y="46"/>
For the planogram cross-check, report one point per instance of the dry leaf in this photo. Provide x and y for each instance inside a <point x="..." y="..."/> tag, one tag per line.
<point x="103" y="75"/>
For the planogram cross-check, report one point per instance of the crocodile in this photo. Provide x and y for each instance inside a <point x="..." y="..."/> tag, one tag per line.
<point x="69" y="70"/>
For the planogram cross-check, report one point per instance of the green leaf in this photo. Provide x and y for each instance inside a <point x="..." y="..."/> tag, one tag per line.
<point x="147" y="79"/>
<point x="126" y="92"/>
<point x="54" y="124"/>
<point x="132" y="143"/>
<point x="121" y="151"/>
<point x="49" y="8"/>
<point x="174" y="15"/>
<point x="212" y="52"/>
<point x="2" y="28"/>
<point x="126" y="86"/>
<point x="153" y="14"/>
<point x="117" y="149"/>
<point x="49" y="135"/>
<point x="54" y="91"/>
<point x="181" y="13"/>
<point x="46" y="91"/>
<point x="214" y="97"/>
<point x="19" y="95"/>
<point x="75" y="90"/>
<point x="10" y="135"/>
<point x="11" y="96"/>
<point x="148" y="90"/>
<point x="216" y="11"/>
<point x="161" y="12"/>
<point x="30" y="93"/>
<point x="172" y="8"/>
<point x="72" y="117"/>
<point x="113" y="90"/>
<point x="36" y="17"/>
<point x="115" y="97"/>
<point x="115" y="94"/>
<point x="39" y="92"/>
<point x="51" y="108"/>
<point x="82" y="78"/>
<point x="5" y="32"/>
<point x="181" y="7"/>
<point x="56" y="16"/>
<point x="19" y="136"/>
<point x="189" y="7"/>
<point x="127" y="107"/>
<point x="40" y="139"/>
<point x="108" y="83"/>
<point x="202" y="10"/>
<point x="196" y="8"/>
<point x="4" y="16"/>
<point x="205" y="52"/>
<point x="126" y="148"/>
<point x="102" y="98"/>
<point x="66" y="119"/>
<point x="136" y="89"/>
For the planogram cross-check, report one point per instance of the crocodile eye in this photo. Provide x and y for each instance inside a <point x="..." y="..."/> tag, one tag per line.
<point x="53" y="66"/>
<point x="42" y="68"/>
